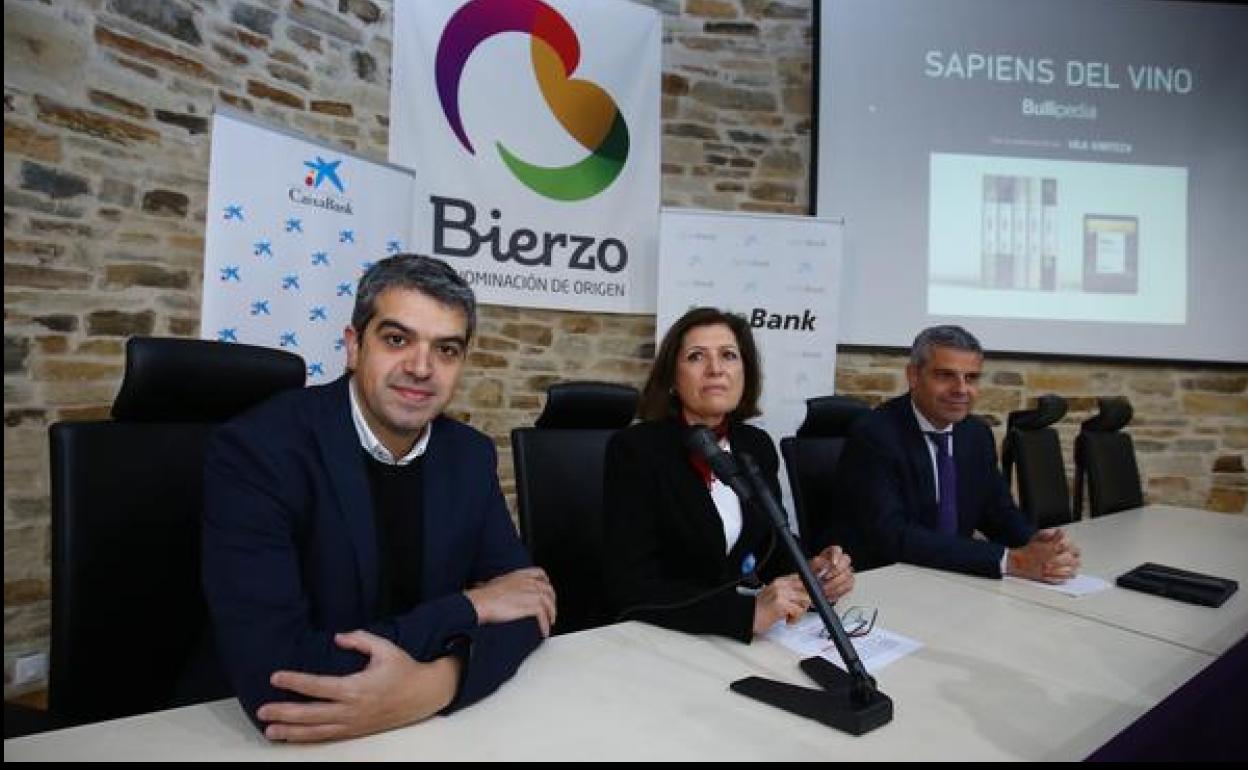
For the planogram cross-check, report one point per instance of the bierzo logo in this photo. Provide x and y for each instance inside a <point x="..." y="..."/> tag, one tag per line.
<point x="584" y="109"/>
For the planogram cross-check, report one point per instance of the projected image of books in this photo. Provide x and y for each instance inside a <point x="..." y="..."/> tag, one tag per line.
<point x="1019" y="233"/>
<point x="1035" y="238"/>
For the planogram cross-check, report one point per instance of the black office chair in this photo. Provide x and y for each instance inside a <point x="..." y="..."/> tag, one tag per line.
<point x="810" y="459"/>
<point x="559" y="472"/>
<point x="1107" y="457"/>
<point x="1032" y="444"/>
<point x="128" y="614"/>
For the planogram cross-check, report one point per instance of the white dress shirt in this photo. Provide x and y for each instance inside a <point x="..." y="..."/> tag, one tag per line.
<point x="374" y="447"/>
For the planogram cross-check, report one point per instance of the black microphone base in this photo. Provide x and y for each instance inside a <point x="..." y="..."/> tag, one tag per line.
<point x="833" y="705"/>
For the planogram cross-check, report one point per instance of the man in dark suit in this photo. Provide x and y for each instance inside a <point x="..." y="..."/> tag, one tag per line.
<point x="918" y="478"/>
<point x="360" y="565"/>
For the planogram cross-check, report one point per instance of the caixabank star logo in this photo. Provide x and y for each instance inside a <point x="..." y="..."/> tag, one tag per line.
<point x="584" y="109"/>
<point x="320" y="172"/>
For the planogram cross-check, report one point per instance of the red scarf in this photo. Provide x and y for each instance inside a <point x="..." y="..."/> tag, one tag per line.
<point x="698" y="461"/>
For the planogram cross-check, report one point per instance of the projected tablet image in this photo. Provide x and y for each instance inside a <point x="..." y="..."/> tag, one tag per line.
<point x="1049" y="239"/>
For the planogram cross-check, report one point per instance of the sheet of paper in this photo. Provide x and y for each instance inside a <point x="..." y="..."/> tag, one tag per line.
<point x="876" y="650"/>
<point x="1079" y="585"/>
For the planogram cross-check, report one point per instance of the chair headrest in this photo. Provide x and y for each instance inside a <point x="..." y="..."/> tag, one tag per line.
<point x="1115" y="412"/>
<point x="588" y="405"/>
<point x="171" y="379"/>
<point x="831" y="416"/>
<point x="1049" y="409"/>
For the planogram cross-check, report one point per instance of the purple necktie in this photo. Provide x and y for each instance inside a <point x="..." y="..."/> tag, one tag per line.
<point x="947" y="510"/>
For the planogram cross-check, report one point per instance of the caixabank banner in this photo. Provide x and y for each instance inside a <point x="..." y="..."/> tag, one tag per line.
<point x="783" y="273"/>
<point x="533" y="128"/>
<point x="291" y="226"/>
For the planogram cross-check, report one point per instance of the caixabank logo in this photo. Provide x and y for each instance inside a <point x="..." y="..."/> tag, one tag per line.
<point x="584" y="109"/>
<point x="320" y="173"/>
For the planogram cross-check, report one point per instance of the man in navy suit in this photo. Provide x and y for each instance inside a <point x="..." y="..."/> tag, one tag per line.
<point x="918" y="478"/>
<point x="359" y="563"/>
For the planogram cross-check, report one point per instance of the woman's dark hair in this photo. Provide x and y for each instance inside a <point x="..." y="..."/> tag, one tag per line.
<point x="658" y="396"/>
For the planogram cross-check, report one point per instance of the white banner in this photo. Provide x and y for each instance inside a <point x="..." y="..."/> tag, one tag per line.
<point x="783" y="273"/>
<point x="291" y="226"/>
<point x="534" y="128"/>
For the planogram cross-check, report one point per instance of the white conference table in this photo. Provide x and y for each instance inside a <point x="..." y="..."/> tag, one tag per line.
<point x="997" y="678"/>
<point x="1187" y="538"/>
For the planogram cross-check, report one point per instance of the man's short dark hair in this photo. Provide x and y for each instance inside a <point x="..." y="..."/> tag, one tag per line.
<point x="431" y="277"/>
<point x="658" y="396"/>
<point x="942" y="337"/>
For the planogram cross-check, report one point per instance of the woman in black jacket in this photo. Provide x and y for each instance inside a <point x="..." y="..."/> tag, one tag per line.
<point x="682" y="552"/>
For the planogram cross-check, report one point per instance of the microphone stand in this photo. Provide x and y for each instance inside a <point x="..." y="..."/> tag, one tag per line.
<point x="849" y="701"/>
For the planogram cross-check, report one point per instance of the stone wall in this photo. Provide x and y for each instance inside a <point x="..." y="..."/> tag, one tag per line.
<point x="106" y="112"/>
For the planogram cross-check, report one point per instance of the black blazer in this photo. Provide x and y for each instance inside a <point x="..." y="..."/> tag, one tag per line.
<point x="290" y="553"/>
<point x="665" y="539"/>
<point x="887" y="486"/>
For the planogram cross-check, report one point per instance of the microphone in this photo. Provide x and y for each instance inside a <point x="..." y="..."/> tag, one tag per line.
<point x="701" y="439"/>
<point x="855" y="706"/>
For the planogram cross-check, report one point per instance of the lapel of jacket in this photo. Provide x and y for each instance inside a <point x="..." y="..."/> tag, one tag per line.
<point x="692" y="497"/>
<point x="918" y="458"/>
<point x="965" y="450"/>
<point x="340" y="450"/>
<point x="438" y="478"/>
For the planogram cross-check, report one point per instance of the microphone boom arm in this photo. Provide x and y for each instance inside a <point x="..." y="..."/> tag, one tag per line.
<point x="848" y="701"/>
